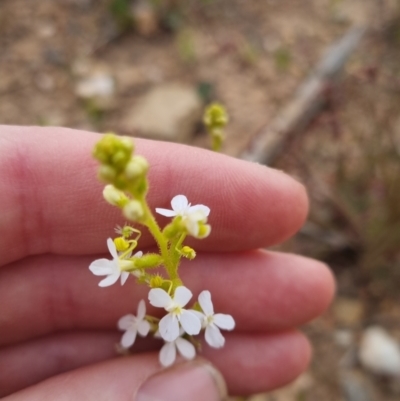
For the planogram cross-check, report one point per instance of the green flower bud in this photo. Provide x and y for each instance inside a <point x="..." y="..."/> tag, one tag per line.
<point x="133" y="210"/>
<point x="114" y="197"/>
<point x="113" y="151"/>
<point x="107" y="173"/>
<point x="215" y="116"/>
<point x="137" y="167"/>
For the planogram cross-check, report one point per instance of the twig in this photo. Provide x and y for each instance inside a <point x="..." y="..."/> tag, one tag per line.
<point x="268" y="144"/>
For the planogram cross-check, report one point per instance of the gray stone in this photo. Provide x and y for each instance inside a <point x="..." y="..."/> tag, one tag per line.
<point x="168" y="112"/>
<point x="379" y="352"/>
<point x="355" y="387"/>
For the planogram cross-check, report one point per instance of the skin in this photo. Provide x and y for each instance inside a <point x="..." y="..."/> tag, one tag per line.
<point x="57" y="324"/>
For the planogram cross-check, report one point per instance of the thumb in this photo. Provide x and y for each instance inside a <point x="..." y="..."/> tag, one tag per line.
<point x="137" y="378"/>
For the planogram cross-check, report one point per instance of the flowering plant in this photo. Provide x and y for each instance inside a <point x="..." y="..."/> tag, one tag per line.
<point x="127" y="187"/>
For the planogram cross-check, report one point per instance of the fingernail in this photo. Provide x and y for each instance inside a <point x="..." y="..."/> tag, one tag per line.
<point x="194" y="381"/>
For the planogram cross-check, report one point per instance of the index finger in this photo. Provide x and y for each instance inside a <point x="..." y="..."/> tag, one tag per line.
<point x="51" y="202"/>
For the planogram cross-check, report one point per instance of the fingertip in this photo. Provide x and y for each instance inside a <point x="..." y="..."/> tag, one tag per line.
<point x="323" y="285"/>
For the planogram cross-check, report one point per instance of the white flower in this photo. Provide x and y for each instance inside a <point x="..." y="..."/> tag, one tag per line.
<point x="213" y="322"/>
<point x="169" y="324"/>
<point x="168" y="351"/>
<point x="191" y="215"/>
<point x="113" y="269"/>
<point x="133" y="325"/>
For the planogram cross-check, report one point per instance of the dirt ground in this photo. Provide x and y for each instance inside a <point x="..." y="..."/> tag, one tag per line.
<point x="251" y="56"/>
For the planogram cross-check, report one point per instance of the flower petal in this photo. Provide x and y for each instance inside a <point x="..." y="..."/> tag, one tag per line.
<point x="124" y="277"/>
<point x="112" y="248"/>
<point x="141" y="310"/>
<point x="109" y="280"/>
<point x="185" y="348"/>
<point x="192" y="226"/>
<point x="138" y="254"/>
<point x="201" y="316"/>
<point x="102" y="267"/>
<point x="206" y="303"/>
<point x="167" y="354"/>
<point x="190" y="322"/>
<point x="165" y="212"/>
<point x="159" y="298"/>
<point x="213" y="336"/>
<point x="169" y="327"/>
<point x="179" y="203"/>
<point x="128" y="338"/>
<point x="143" y="328"/>
<point x="200" y="208"/>
<point x="126" y="321"/>
<point x="182" y="295"/>
<point x="223" y="321"/>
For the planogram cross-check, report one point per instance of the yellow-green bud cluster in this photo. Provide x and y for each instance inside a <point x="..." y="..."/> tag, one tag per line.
<point x="215" y="119"/>
<point x="119" y="167"/>
<point x="215" y="116"/>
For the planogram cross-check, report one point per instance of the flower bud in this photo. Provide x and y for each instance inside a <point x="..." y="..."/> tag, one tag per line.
<point x="133" y="210"/>
<point x="215" y="116"/>
<point x="137" y="167"/>
<point x="107" y="173"/>
<point x="114" y="197"/>
<point x="113" y="151"/>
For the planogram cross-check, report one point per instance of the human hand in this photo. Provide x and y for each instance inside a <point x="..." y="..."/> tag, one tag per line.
<point x="57" y="327"/>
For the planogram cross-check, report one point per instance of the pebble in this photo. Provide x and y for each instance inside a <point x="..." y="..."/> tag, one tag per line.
<point x="379" y="352"/>
<point x="168" y="112"/>
<point x="97" y="85"/>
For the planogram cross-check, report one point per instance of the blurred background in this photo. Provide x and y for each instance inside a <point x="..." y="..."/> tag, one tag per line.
<point x="312" y="87"/>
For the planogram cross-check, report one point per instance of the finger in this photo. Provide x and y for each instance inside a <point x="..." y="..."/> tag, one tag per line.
<point x="257" y="363"/>
<point x="249" y="363"/>
<point x="262" y="290"/>
<point x="51" y="200"/>
<point x="29" y="363"/>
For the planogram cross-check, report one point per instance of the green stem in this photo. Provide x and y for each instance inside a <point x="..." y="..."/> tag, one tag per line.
<point x="162" y="242"/>
<point x="175" y="252"/>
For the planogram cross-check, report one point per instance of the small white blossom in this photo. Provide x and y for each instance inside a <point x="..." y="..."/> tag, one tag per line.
<point x="113" y="269"/>
<point x="191" y="215"/>
<point x="133" y="325"/>
<point x="169" y="324"/>
<point x="213" y="322"/>
<point x="168" y="351"/>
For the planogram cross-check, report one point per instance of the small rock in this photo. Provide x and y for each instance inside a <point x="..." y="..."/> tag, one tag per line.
<point x="348" y="311"/>
<point x="97" y="85"/>
<point x="355" y="387"/>
<point x="379" y="352"/>
<point x="343" y="338"/>
<point x="168" y="112"/>
<point x="99" y="88"/>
